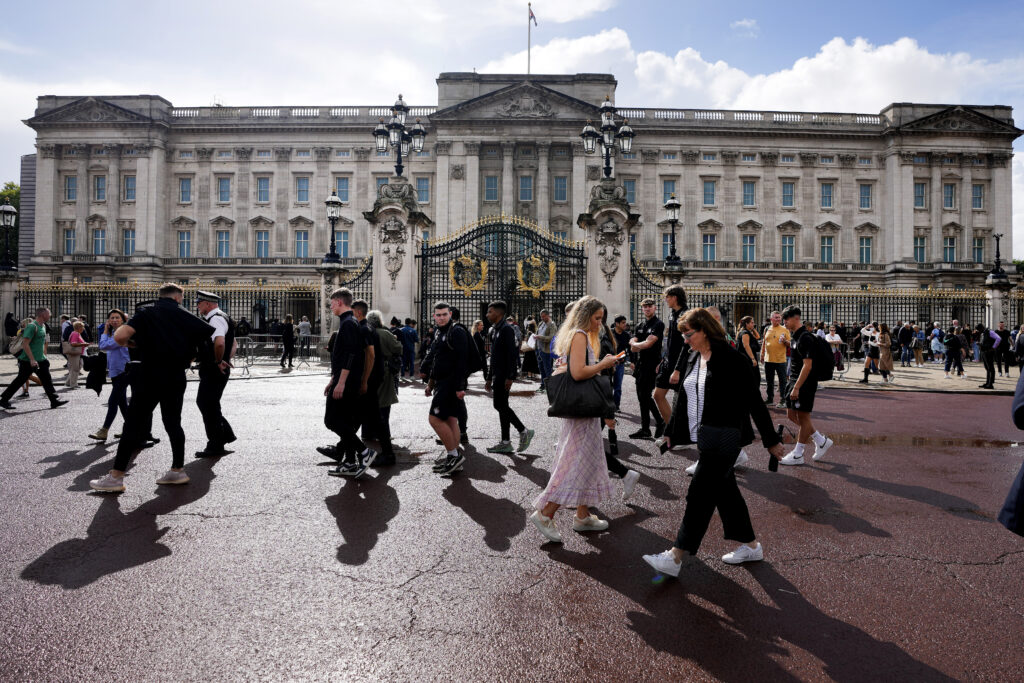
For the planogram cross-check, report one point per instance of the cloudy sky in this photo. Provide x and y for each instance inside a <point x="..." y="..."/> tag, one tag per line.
<point x="746" y="55"/>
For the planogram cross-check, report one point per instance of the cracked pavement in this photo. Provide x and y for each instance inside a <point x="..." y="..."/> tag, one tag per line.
<point x="883" y="562"/>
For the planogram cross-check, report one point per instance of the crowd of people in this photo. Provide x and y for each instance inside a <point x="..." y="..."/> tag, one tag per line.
<point x="697" y="381"/>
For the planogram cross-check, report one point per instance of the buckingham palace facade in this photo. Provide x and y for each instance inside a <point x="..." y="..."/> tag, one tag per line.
<point x="134" y="188"/>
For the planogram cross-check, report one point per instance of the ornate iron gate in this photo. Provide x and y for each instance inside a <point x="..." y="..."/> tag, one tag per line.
<point x="507" y="258"/>
<point x="643" y="285"/>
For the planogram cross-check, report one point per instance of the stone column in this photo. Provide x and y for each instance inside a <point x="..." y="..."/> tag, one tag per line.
<point x="1000" y="198"/>
<point x="648" y="242"/>
<point x="82" y="238"/>
<point x="365" y="193"/>
<point x="579" y="184"/>
<point x="48" y="195"/>
<point x="282" y="190"/>
<point x="935" y="209"/>
<point x="607" y="225"/>
<point x="320" y="240"/>
<point x="113" y="154"/>
<point x="443" y="182"/>
<point x="396" y="223"/>
<point x="507" y="178"/>
<point x="331" y="277"/>
<point x="204" y="242"/>
<point x="543" y="186"/>
<point x="243" y="201"/>
<point x="997" y="298"/>
<point x="149" y="195"/>
<point x="471" y="210"/>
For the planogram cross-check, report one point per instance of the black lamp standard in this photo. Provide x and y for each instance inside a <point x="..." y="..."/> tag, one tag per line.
<point x="8" y="215"/>
<point x="610" y="132"/>
<point x="395" y="134"/>
<point x="672" y="261"/>
<point x="998" y="269"/>
<point x="333" y="214"/>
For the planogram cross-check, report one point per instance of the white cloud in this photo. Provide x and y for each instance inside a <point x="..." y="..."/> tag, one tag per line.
<point x="606" y="52"/>
<point x="7" y="46"/>
<point x="746" y="28"/>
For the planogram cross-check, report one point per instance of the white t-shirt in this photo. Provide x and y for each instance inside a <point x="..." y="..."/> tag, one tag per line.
<point x="219" y="322"/>
<point x="693" y="385"/>
<point x="833" y="338"/>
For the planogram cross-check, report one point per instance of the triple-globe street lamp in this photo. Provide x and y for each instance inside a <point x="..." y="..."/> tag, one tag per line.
<point x="8" y="216"/>
<point x="672" y="261"/>
<point x="333" y="214"/>
<point x="396" y="135"/>
<point x="610" y="133"/>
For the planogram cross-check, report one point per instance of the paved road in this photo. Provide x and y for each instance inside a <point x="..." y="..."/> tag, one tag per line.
<point x="884" y="563"/>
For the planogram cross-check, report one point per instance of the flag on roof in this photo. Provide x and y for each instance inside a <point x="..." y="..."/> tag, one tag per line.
<point x="533" y="16"/>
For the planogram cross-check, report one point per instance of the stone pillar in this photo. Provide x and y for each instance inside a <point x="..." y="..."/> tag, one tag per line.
<point x="579" y="183"/>
<point x="281" y="241"/>
<point x="543" y="186"/>
<point x="331" y="277"/>
<point x="49" y="192"/>
<point x="8" y="294"/>
<point x="607" y="225"/>
<point x="471" y="210"/>
<point x="508" y="185"/>
<point x="365" y="190"/>
<point x="396" y="224"/>
<point x="113" y="154"/>
<point x="243" y="235"/>
<point x="444" y="175"/>
<point x="320" y="189"/>
<point x="203" y="242"/>
<point x="82" y="237"/>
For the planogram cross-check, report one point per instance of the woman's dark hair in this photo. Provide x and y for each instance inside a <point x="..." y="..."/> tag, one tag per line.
<point x="699" y="320"/>
<point x="743" y="322"/>
<point x="885" y="329"/>
<point x="607" y="331"/>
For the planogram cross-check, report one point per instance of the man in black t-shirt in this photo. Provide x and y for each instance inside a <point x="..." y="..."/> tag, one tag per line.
<point x="448" y="386"/>
<point x="675" y="297"/>
<point x="646" y="347"/>
<point x="803" y="384"/>
<point x="1004" y="353"/>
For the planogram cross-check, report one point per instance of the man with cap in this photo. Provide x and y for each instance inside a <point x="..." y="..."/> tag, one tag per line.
<point x="167" y="338"/>
<point x="214" y="371"/>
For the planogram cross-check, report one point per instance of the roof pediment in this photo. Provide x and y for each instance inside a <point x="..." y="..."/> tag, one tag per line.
<point x="257" y="221"/>
<point x="958" y="119"/>
<point x="89" y="110"/>
<point x="749" y="225"/>
<point x="517" y="102"/>
<point x="788" y="226"/>
<point x="222" y="220"/>
<point x="182" y="222"/>
<point x="300" y="222"/>
<point x="827" y="226"/>
<point x="710" y="225"/>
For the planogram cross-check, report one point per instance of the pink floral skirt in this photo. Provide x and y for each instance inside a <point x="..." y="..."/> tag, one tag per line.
<point x="580" y="472"/>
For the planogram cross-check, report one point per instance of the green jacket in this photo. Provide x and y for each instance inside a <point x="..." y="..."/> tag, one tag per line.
<point x="390" y="347"/>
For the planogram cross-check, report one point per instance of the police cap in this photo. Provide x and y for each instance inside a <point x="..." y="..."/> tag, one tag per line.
<point x="206" y="296"/>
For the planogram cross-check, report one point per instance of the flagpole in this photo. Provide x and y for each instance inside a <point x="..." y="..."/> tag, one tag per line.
<point x="529" y="12"/>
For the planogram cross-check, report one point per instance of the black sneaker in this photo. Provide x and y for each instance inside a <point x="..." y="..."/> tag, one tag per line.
<point x="347" y="469"/>
<point x="384" y="460"/>
<point x="367" y="459"/>
<point x="329" y="452"/>
<point x="451" y="464"/>
<point x="464" y="439"/>
<point x="659" y="430"/>
<point x="439" y="461"/>
<point x="212" y="452"/>
<point x="6" y="405"/>
<point x="613" y="448"/>
<point x="57" y="402"/>
<point x="644" y="434"/>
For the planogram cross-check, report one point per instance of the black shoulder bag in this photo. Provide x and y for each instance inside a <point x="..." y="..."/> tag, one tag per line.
<point x="568" y="397"/>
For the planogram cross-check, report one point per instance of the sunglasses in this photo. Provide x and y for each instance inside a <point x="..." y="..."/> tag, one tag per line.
<point x="687" y="335"/>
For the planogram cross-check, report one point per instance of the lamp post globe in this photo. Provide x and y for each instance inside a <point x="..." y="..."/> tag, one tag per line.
<point x="333" y="204"/>
<point x="8" y="216"/>
<point x="590" y="136"/>
<point x="380" y="137"/>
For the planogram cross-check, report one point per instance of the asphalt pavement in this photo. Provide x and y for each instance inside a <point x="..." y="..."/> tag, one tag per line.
<point x="883" y="562"/>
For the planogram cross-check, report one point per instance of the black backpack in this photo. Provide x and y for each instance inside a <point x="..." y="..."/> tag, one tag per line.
<point x="824" y="362"/>
<point x="474" y="363"/>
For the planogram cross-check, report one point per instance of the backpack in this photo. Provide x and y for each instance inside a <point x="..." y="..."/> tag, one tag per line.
<point x="14" y="347"/>
<point x="473" y="361"/>
<point x="824" y="362"/>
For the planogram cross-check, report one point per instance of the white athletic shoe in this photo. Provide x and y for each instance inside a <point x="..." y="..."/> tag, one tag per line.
<point x="691" y="470"/>
<point x="629" y="484"/>
<point x="744" y="554"/>
<point x="741" y="459"/>
<point x="664" y="563"/>
<point x="792" y="458"/>
<point x="546" y="526"/>
<point x="820" y="451"/>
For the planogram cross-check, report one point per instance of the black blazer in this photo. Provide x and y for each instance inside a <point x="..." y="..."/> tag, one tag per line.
<point x="732" y="398"/>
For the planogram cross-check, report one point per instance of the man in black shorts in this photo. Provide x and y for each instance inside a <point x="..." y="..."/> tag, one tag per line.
<point x="646" y="347"/>
<point x="668" y="377"/>
<point x="800" y="393"/>
<point x="448" y="385"/>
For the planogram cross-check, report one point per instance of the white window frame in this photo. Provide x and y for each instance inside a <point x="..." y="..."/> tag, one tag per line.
<point x="526" y="188"/>
<point x="830" y="195"/>
<point x="560" y="194"/>
<point x="223" y="244"/>
<point x="265" y="243"/>
<point x="299" y="190"/>
<point x="269" y="189"/>
<point x="185" y="189"/>
<point x="708" y="246"/>
<point x="184" y="244"/>
<point x="752" y="196"/>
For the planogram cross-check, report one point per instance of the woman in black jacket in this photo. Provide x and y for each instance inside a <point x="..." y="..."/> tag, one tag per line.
<point x="288" y="340"/>
<point x="714" y="405"/>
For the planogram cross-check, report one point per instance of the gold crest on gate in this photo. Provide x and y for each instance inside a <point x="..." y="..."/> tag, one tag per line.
<point x="534" y="277"/>
<point x="467" y="275"/>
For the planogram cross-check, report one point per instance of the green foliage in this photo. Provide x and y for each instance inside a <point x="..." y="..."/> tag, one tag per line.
<point x="12" y="191"/>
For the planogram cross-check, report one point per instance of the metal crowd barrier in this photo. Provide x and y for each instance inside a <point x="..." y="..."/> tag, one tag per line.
<point x="265" y="349"/>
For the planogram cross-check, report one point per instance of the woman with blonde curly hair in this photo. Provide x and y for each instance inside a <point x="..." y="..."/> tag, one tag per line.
<point x="579" y="477"/>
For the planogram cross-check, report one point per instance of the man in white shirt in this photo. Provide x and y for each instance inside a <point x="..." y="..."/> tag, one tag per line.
<point x="214" y="371"/>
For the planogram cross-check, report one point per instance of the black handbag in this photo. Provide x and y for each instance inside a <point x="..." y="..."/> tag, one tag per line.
<point x="727" y="440"/>
<point x="570" y="398"/>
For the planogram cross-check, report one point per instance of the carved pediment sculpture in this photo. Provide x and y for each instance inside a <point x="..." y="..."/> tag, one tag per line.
<point x="89" y="110"/>
<point x="749" y="226"/>
<point x="222" y="222"/>
<point x="525" y="106"/>
<point x="788" y="226"/>
<point x="300" y="222"/>
<point x="867" y="228"/>
<point x="828" y="227"/>
<point x="523" y="100"/>
<point x="952" y="229"/>
<point x="457" y="172"/>
<point x="183" y="223"/>
<point x="958" y="119"/>
<point x="257" y="221"/>
<point x="96" y="221"/>
<point x="610" y="237"/>
<point x="710" y="225"/>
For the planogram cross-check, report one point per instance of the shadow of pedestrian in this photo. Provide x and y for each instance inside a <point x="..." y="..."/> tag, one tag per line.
<point x="362" y="509"/>
<point x="959" y="507"/>
<point x="809" y="501"/>
<point x="72" y="461"/>
<point x="115" y="541"/>
<point x="502" y="519"/>
<point x="684" y="617"/>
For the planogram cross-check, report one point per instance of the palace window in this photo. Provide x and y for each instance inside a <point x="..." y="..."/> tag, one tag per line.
<point x="99" y="188"/>
<point x="668" y="188"/>
<point x="341" y="242"/>
<point x="920" y="158"/>
<point x="978" y="250"/>
<point x="750" y="248"/>
<point x="920" y="195"/>
<point x="184" y="190"/>
<point x="185" y="154"/>
<point x="70" y="188"/>
<point x="423" y="190"/>
<point x="490" y="188"/>
<point x="99" y="241"/>
<point x="632" y="244"/>
<point x="263" y="190"/>
<point x="668" y="156"/>
<point x="223" y="244"/>
<point x="129" y="188"/>
<point x="864" y="161"/>
<point x="788" y="248"/>
<point x="561" y="188"/>
<point x="263" y="154"/>
<point x="827" y="249"/>
<point x="949" y="196"/>
<point x="666" y="244"/>
<point x="302" y="153"/>
<point x="749" y="157"/>
<point x="344" y="153"/>
<point x="128" y="242"/>
<point x="949" y="249"/>
<point x="787" y="194"/>
<point x="262" y="244"/>
<point x="341" y="187"/>
<point x="302" y="189"/>
<point x="709" y="156"/>
<point x="826" y="195"/>
<point x="562" y="234"/>
<point x="787" y="158"/>
<point x="630" y="186"/>
<point x="69" y="241"/>
<point x="865" y="196"/>
<point x="827" y="160"/>
<point x="977" y="196"/>
<point x="865" y="250"/>
<point x="920" y="249"/>
<point x="184" y="244"/>
<point x="223" y="190"/>
<point x="707" y="243"/>
<point x="224" y="154"/>
<point x="526" y="188"/>
<point x="302" y="243"/>
<point x="748" y="192"/>
<point x="709" y="193"/>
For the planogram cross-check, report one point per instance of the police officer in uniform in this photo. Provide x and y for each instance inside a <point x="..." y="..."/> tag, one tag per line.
<point x="214" y="371"/>
<point x="646" y="347"/>
<point x="167" y="337"/>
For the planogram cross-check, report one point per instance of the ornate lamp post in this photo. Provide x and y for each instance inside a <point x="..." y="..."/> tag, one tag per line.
<point x="395" y="134"/>
<point x="672" y="261"/>
<point x="333" y="214"/>
<point x="610" y="132"/>
<point x="998" y="269"/>
<point x="8" y="215"/>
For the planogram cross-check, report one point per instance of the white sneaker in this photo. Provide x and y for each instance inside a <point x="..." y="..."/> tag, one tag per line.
<point x="820" y="451"/>
<point x="744" y="554"/>
<point x="546" y="526"/>
<point x="947" y="376"/>
<point x="108" y="484"/>
<point x="792" y="458"/>
<point x="664" y="563"/>
<point x="691" y="470"/>
<point x="173" y="477"/>
<point x="591" y="523"/>
<point x="741" y="459"/>
<point x="629" y="484"/>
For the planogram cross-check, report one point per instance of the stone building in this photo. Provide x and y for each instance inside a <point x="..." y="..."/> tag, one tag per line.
<point x="134" y="188"/>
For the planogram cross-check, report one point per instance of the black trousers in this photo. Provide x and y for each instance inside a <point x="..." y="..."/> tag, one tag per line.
<point x="714" y="486"/>
<point x="506" y="416"/>
<point x="644" y="393"/>
<point x="343" y="418"/>
<point x="989" y="358"/>
<point x="25" y="370"/>
<point x="164" y="388"/>
<point x="771" y="372"/>
<point x="288" y="353"/>
<point x="211" y="387"/>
